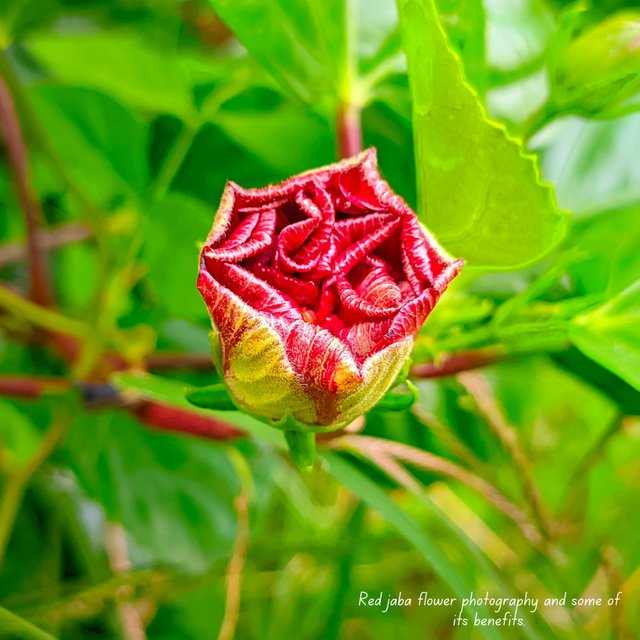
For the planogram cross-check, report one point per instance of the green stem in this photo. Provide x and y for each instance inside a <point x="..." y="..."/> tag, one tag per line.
<point x="12" y="624"/>
<point x="302" y="447"/>
<point x="184" y="140"/>
<point x="39" y="316"/>
<point x="173" y="161"/>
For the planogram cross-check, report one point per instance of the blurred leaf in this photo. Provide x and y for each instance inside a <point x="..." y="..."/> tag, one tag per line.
<point x="589" y="162"/>
<point x="77" y="274"/>
<point x="175" y="228"/>
<point x="621" y="393"/>
<point x="203" y="174"/>
<point x="174" y="495"/>
<point x="102" y="145"/>
<point x="193" y="614"/>
<point x="408" y="528"/>
<point x="517" y="32"/>
<point x="609" y="243"/>
<point x="288" y="140"/>
<point x="119" y="64"/>
<point x="478" y="191"/>
<point x="13" y="627"/>
<point x="19" y="439"/>
<point x="611" y="334"/>
<point x="601" y="66"/>
<point x="18" y="17"/>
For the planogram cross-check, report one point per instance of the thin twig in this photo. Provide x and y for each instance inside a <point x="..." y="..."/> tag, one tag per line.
<point x="39" y="285"/>
<point x="118" y="553"/>
<point x="397" y="451"/>
<point x="87" y="603"/>
<point x="479" y="390"/>
<point x="458" y="362"/>
<point x="236" y="564"/>
<point x="49" y="239"/>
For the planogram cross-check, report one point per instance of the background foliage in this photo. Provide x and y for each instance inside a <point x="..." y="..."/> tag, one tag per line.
<point x="520" y="475"/>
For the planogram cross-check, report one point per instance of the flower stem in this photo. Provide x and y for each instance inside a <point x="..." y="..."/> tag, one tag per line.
<point x="302" y="447"/>
<point x="349" y="129"/>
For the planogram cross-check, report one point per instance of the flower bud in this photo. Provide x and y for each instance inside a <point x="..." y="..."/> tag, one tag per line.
<point x="316" y="288"/>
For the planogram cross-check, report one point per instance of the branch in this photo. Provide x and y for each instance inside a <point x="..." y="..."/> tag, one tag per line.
<point x="39" y="285"/>
<point x="237" y="562"/>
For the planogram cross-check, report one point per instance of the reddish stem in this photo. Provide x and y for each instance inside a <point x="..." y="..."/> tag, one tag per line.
<point x="149" y="412"/>
<point x="349" y="130"/>
<point x="40" y="289"/>
<point x="169" y="418"/>
<point x="458" y="362"/>
<point x="170" y="360"/>
<point x="30" y="387"/>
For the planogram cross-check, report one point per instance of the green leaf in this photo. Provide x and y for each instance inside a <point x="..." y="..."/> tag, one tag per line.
<point x="19" y="439"/>
<point x="215" y="397"/>
<point x="176" y="226"/>
<point x="478" y="190"/>
<point x="588" y="161"/>
<point x="601" y="66"/>
<point x="295" y="41"/>
<point x="314" y="48"/>
<point x="13" y="627"/>
<point x="517" y="33"/>
<point x="610" y="335"/>
<point x="173" y="495"/>
<point x="465" y="24"/>
<point x="288" y="140"/>
<point x="609" y="246"/>
<point x="102" y="145"/>
<point x="394" y="401"/>
<point x="408" y="528"/>
<point x="119" y="64"/>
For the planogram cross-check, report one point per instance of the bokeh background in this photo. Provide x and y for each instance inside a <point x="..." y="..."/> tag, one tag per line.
<point x="125" y="513"/>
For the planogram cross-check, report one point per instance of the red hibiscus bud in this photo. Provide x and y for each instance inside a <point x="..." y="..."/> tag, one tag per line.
<point x="316" y="288"/>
